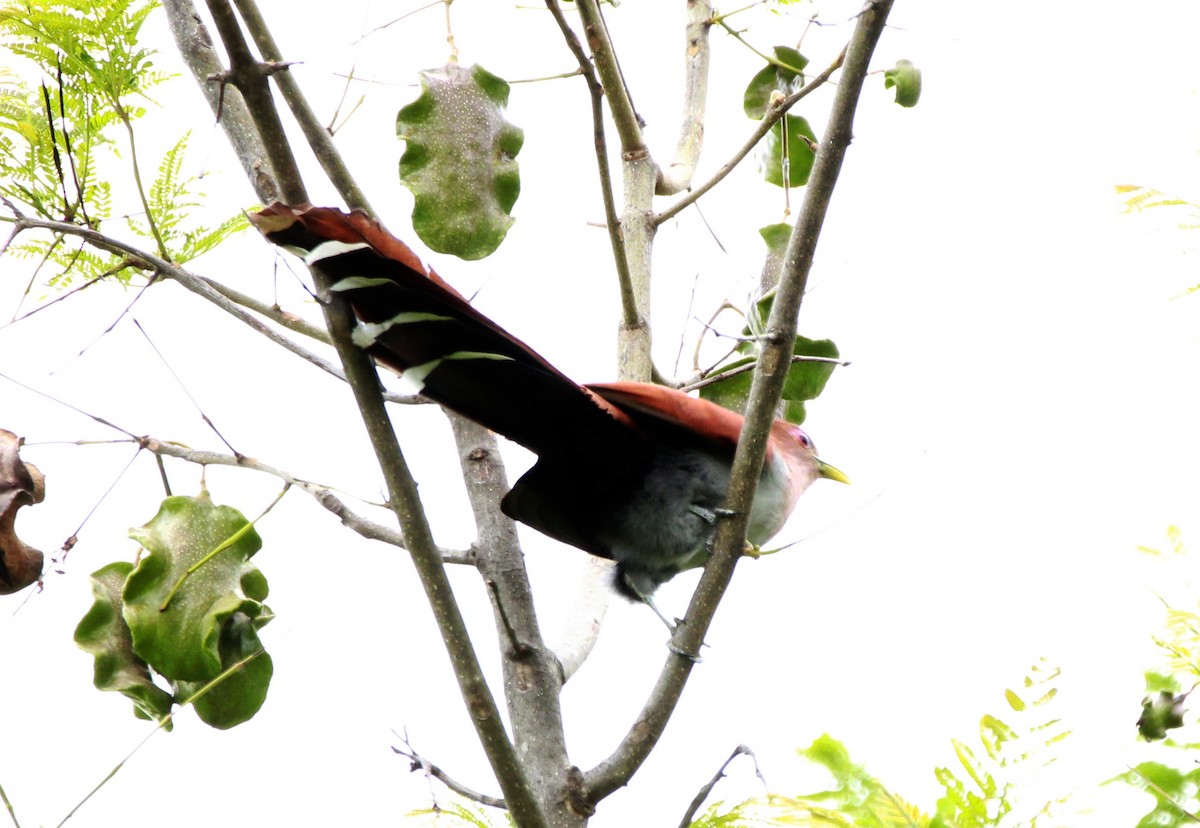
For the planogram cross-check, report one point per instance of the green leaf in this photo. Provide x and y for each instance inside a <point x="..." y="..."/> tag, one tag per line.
<point x="906" y="78"/>
<point x="177" y="617"/>
<point x="1174" y="792"/>
<point x="732" y="391"/>
<point x="103" y="633"/>
<point x="857" y="799"/>
<point x="1156" y="682"/>
<point x="785" y="76"/>
<point x="1161" y="712"/>
<point x="805" y="380"/>
<point x="238" y="696"/>
<point x="460" y="160"/>
<point x="795" y="153"/>
<point x="776" y="237"/>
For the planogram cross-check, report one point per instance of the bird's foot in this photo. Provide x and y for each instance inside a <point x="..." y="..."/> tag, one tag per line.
<point x="710" y="516"/>
<point x="671" y="625"/>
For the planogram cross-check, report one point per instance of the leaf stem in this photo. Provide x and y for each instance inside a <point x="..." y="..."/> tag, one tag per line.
<point x="221" y="547"/>
<point x="123" y="114"/>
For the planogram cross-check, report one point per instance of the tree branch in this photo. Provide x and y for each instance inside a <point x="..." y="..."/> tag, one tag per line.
<point x="697" y="55"/>
<point x="420" y="763"/>
<point x="322" y="494"/>
<point x="196" y="46"/>
<point x="629" y="125"/>
<point x="629" y="311"/>
<point x="273" y="312"/>
<point x="640" y="175"/>
<point x="251" y="79"/>
<point x="319" y="139"/>
<point x="765" y="392"/>
<point x="205" y="288"/>
<point x="532" y="676"/>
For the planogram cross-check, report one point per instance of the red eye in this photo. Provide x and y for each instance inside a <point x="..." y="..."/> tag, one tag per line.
<point x="803" y="438"/>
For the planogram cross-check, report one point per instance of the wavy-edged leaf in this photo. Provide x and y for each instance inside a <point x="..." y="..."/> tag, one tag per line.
<point x="239" y="695"/>
<point x="104" y="634"/>
<point x="176" y="617"/>
<point x="460" y="160"/>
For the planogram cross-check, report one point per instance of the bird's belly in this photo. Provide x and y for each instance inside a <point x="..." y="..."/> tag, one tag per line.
<point x="666" y="523"/>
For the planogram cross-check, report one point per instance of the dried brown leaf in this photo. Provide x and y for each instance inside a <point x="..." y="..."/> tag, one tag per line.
<point x="21" y="484"/>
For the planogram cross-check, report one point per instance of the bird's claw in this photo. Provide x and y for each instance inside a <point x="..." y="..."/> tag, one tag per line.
<point x="710" y="516"/>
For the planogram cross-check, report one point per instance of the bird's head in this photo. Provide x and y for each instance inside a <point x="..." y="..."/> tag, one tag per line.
<point x="796" y="449"/>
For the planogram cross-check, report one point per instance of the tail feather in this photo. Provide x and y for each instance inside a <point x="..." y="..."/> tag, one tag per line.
<point x="416" y="324"/>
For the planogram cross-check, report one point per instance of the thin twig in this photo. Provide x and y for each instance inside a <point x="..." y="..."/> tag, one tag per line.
<point x="750" y="366"/>
<point x="137" y="181"/>
<point x="629" y="311"/>
<point x="200" y="286"/>
<point x="420" y="763"/>
<point x="8" y="807"/>
<point x="236" y="667"/>
<point x="207" y="420"/>
<point x="705" y="790"/>
<point x="772" y="115"/>
<point x="273" y="312"/>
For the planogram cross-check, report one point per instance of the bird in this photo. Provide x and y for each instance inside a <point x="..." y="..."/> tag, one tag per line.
<point x="629" y="471"/>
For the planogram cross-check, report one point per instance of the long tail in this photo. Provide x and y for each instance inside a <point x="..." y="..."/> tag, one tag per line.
<point x="416" y="324"/>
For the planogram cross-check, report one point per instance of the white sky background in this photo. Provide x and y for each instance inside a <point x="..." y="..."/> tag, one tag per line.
<point x="1019" y="415"/>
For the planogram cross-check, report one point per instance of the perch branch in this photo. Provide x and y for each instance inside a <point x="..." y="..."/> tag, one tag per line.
<point x="765" y="392"/>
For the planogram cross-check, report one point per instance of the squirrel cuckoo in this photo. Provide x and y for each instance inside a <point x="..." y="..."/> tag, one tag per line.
<point x="628" y="471"/>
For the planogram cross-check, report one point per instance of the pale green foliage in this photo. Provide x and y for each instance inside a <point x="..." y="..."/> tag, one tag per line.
<point x="171" y="200"/>
<point x="54" y="138"/>
<point x="1143" y="198"/>
<point x="983" y="790"/>
<point x="1139" y="198"/>
<point x="855" y="799"/>
<point x="1168" y="720"/>
<point x="1180" y="641"/>
<point x="1174" y="538"/>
